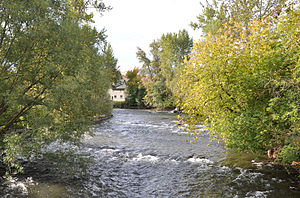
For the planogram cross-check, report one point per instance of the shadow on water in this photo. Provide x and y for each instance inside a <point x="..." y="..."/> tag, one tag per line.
<point x="139" y="153"/>
<point x="41" y="179"/>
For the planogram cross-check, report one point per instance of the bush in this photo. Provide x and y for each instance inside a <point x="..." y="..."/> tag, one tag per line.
<point x="288" y="154"/>
<point x="120" y="104"/>
<point x="246" y="86"/>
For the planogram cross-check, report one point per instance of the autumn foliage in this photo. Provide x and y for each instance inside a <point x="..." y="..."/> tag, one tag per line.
<point x="243" y="82"/>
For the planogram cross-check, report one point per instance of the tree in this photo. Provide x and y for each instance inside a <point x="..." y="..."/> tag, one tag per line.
<point x="110" y="62"/>
<point x="215" y="14"/>
<point x="160" y="75"/>
<point x="151" y="76"/>
<point x="174" y="48"/>
<point x="135" y="90"/>
<point x="247" y="88"/>
<point x="54" y="80"/>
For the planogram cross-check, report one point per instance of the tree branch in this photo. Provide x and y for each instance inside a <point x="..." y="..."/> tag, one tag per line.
<point x="23" y="110"/>
<point x="231" y="97"/>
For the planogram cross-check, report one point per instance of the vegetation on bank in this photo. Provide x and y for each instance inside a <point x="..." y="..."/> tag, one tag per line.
<point x="244" y="82"/>
<point x="135" y="90"/>
<point x="161" y="71"/>
<point x="55" y="73"/>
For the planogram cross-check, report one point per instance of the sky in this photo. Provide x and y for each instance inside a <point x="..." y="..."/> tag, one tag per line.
<point x="136" y="23"/>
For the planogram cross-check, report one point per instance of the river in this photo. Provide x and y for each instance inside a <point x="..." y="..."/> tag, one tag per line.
<point x="140" y="153"/>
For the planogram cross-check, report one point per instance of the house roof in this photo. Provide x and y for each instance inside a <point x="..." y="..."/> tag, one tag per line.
<point x="120" y="87"/>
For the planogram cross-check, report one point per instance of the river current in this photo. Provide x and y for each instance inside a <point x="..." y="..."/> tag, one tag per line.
<point x="141" y="153"/>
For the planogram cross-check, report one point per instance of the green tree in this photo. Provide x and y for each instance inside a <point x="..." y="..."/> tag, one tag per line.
<point x="175" y="47"/>
<point x="135" y="90"/>
<point x="160" y="75"/>
<point x="54" y="80"/>
<point x="216" y="13"/>
<point x="156" y="96"/>
<point x="110" y="62"/>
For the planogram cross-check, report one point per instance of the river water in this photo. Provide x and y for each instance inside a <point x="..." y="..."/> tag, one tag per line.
<point x="140" y="153"/>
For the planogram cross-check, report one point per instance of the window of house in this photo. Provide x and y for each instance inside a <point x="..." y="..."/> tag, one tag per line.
<point x="121" y="96"/>
<point x="115" y="96"/>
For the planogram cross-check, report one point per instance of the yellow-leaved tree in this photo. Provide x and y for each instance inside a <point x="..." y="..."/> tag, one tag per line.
<point x="244" y="84"/>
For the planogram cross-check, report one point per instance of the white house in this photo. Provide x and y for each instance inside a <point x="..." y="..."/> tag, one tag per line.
<point x="117" y="92"/>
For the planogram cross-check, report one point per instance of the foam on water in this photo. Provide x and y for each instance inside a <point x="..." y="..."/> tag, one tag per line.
<point x="258" y="194"/>
<point x="146" y="158"/>
<point x="179" y="131"/>
<point x="172" y="161"/>
<point x="257" y="164"/>
<point x="224" y="169"/>
<point x="20" y="186"/>
<point x="110" y="151"/>
<point x="250" y="177"/>
<point x="200" y="160"/>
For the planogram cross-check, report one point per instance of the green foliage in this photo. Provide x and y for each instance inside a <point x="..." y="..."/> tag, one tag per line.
<point x="174" y="48"/>
<point x="289" y="153"/>
<point x="244" y="83"/>
<point x="54" y="77"/>
<point x="120" y="104"/>
<point x="160" y="75"/>
<point x="216" y="13"/>
<point x="212" y="17"/>
<point x="110" y="63"/>
<point x="135" y="90"/>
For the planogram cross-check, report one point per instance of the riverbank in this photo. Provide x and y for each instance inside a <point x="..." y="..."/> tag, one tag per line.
<point x="102" y="118"/>
<point x="124" y="105"/>
<point x="252" y="161"/>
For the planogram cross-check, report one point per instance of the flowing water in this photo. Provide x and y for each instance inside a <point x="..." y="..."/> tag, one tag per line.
<point x="140" y="153"/>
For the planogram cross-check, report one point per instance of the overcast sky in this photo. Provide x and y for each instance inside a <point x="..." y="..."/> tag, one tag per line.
<point x="136" y="23"/>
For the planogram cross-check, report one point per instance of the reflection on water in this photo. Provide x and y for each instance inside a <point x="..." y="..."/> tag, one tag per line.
<point x="47" y="190"/>
<point x="140" y="154"/>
